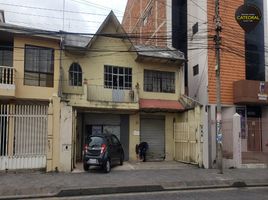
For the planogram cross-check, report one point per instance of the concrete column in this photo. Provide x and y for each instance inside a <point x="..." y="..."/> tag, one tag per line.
<point x="50" y="137"/>
<point x="134" y="134"/>
<point x="66" y="122"/>
<point x="53" y="134"/>
<point x="237" y="151"/>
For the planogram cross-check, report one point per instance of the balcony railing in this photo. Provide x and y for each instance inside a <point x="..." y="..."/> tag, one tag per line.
<point x="99" y="93"/>
<point x="7" y="75"/>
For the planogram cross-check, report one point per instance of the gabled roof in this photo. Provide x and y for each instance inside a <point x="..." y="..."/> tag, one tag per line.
<point x="119" y="27"/>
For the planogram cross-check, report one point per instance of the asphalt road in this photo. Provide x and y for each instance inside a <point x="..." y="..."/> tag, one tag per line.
<point x="209" y="194"/>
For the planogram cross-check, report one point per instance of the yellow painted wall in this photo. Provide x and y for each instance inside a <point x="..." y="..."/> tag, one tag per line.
<point x="92" y="64"/>
<point x="134" y="138"/>
<point x="34" y="92"/>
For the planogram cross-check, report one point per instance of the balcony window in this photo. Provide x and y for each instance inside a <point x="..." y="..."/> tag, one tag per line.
<point x="117" y="77"/>
<point x="39" y="66"/>
<point x="159" y="81"/>
<point x="75" y="75"/>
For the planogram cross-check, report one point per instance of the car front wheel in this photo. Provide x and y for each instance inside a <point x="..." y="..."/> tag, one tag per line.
<point x="107" y="166"/>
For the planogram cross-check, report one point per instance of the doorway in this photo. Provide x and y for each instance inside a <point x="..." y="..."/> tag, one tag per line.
<point x="254" y="129"/>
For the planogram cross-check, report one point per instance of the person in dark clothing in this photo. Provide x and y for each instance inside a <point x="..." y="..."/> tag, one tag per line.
<point x="143" y="147"/>
<point x="137" y="151"/>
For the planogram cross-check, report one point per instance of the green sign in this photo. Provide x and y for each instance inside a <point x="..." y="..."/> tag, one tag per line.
<point x="248" y="16"/>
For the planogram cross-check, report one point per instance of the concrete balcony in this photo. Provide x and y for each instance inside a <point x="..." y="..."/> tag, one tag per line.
<point x="99" y="93"/>
<point x="98" y="97"/>
<point x="7" y="81"/>
<point x="250" y="92"/>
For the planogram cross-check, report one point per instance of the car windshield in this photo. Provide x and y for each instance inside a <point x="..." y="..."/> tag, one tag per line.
<point x="95" y="141"/>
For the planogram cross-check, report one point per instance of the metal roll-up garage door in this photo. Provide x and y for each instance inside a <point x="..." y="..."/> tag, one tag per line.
<point x="153" y="132"/>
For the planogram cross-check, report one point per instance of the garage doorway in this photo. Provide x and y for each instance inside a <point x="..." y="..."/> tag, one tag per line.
<point x="153" y="132"/>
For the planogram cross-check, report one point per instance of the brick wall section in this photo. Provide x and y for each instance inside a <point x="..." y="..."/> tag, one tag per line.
<point x="154" y="30"/>
<point x="232" y="54"/>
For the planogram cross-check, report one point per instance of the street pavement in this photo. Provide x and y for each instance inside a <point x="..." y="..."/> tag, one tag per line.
<point x="131" y="177"/>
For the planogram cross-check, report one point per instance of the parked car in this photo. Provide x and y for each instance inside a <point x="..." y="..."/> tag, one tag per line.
<point x="104" y="150"/>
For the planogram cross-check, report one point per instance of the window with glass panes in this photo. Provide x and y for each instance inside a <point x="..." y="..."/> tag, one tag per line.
<point x="39" y="66"/>
<point x="117" y="77"/>
<point x="159" y="81"/>
<point x="75" y="75"/>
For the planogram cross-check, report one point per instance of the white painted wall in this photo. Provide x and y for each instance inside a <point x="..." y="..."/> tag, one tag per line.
<point x="66" y="138"/>
<point x="169" y="24"/>
<point x="197" y="54"/>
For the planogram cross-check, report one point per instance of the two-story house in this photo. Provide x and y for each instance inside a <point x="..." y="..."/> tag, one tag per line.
<point x="29" y="82"/>
<point x="111" y="85"/>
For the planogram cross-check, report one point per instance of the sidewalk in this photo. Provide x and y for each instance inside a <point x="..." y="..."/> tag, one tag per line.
<point x="131" y="177"/>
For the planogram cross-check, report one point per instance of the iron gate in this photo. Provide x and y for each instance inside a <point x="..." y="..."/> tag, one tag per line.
<point x="23" y="136"/>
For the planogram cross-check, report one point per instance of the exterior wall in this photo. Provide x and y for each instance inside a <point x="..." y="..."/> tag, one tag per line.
<point x="197" y="53"/>
<point x="92" y="65"/>
<point x="134" y="134"/>
<point x="169" y="136"/>
<point x="232" y="54"/>
<point x="53" y="144"/>
<point x="66" y="133"/>
<point x="34" y="92"/>
<point x="138" y="21"/>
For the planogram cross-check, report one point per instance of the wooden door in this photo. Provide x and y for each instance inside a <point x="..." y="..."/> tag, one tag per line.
<point x="254" y="134"/>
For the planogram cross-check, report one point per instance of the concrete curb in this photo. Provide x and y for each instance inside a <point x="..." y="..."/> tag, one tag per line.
<point x="69" y="192"/>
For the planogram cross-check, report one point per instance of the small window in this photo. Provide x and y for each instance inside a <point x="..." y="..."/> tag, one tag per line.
<point x="75" y="75"/>
<point x="196" y="70"/>
<point x="195" y="28"/>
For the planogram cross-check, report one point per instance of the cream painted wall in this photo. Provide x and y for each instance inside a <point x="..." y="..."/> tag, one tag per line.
<point x="65" y="146"/>
<point x="93" y="66"/>
<point x="34" y="92"/>
<point x="134" y="134"/>
<point x="169" y="136"/>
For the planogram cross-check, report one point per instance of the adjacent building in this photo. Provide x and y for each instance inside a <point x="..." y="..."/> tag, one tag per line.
<point x="189" y="27"/>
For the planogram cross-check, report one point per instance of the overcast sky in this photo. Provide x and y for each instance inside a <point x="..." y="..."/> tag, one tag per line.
<point x="79" y="16"/>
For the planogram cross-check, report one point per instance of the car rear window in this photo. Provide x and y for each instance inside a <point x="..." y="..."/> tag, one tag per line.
<point x="95" y="141"/>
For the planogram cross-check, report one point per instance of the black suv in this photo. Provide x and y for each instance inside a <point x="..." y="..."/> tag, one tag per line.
<point x="103" y="150"/>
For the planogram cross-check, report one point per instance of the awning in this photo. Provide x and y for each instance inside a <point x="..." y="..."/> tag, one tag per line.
<point x="160" y="105"/>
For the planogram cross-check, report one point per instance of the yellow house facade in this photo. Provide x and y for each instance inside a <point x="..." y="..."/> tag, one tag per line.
<point x="111" y="85"/>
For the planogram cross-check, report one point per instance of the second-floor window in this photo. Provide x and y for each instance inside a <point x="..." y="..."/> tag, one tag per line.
<point x="39" y="66"/>
<point x="75" y="75"/>
<point x="117" y="77"/>
<point x="159" y="81"/>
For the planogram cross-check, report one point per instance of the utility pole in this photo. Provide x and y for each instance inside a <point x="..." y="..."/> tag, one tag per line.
<point x="218" y="28"/>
